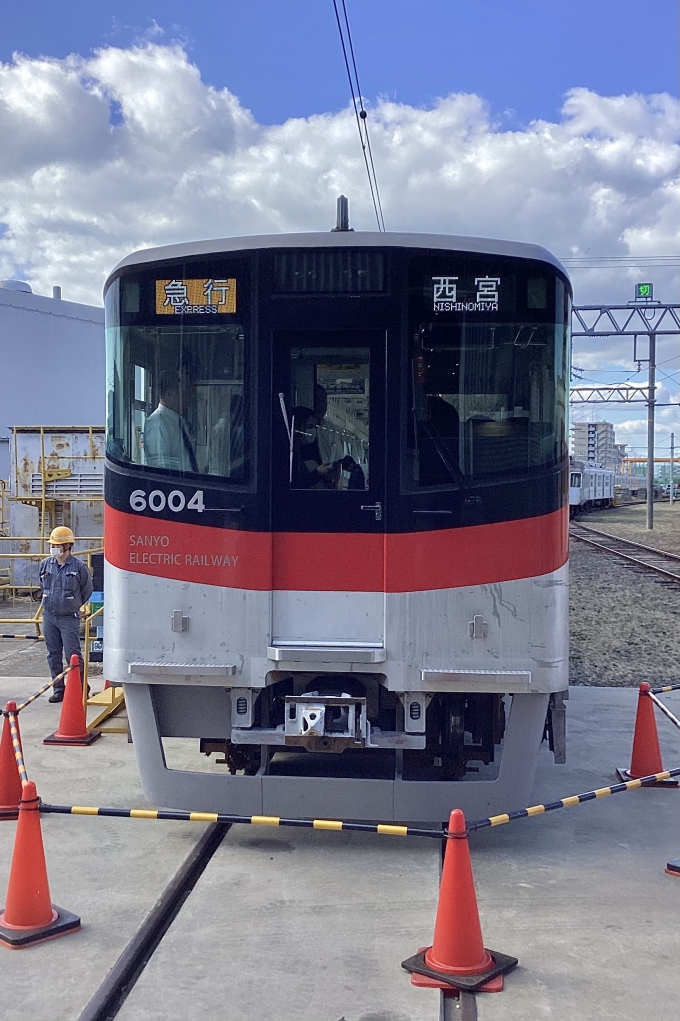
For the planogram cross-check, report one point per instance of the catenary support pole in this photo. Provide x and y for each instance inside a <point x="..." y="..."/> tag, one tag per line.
<point x="672" y="472"/>
<point x="650" y="431"/>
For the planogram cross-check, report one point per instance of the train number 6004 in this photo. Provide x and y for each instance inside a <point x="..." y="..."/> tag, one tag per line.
<point x="157" y="501"/>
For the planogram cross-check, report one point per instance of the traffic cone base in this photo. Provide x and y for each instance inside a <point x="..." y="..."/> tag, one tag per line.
<point x="429" y="978"/>
<point x="72" y="727"/>
<point x="17" y="937"/>
<point x="10" y="781"/>
<point x="673" y="868"/>
<point x="625" y="775"/>
<point x="87" y="739"/>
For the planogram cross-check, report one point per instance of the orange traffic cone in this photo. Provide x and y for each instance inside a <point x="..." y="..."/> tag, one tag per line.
<point x="646" y="758"/>
<point x="72" y="727"/>
<point x="457" y="958"/>
<point x="29" y="916"/>
<point x="10" y="781"/>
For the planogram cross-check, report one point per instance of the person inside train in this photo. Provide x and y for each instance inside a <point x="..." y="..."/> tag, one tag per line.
<point x="324" y="437"/>
<point x="308" y="469"/>
<point x="226" y="446"/>
<point x="167" y="439"/>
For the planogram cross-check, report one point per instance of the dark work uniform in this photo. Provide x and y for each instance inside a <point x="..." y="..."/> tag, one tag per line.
<point x="65" y="588"/>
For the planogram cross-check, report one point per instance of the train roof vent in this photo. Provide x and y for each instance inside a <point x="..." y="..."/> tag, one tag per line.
<point x="342" y="222"/>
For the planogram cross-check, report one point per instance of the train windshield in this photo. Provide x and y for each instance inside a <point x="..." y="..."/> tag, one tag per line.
<point x="487" y="375"/>
<point x="176" y="395"/>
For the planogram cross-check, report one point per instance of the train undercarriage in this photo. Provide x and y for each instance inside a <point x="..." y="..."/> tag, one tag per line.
<point x="430" y="736"/>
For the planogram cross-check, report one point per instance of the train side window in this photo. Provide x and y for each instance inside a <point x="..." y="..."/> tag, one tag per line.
<point x="330" y="402"/>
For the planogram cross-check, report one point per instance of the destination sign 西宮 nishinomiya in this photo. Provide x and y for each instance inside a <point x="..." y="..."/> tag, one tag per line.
<point x="445" y="295"/>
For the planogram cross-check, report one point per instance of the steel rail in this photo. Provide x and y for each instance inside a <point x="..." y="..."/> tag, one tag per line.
<point x="112" y="993"/>
<point x="458" y="1007"/>
<point x="637" y="561"/>
<point x="630" y="542"/>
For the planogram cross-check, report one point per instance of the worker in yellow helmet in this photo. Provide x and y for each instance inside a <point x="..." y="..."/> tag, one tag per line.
<point x="66" y="584"/>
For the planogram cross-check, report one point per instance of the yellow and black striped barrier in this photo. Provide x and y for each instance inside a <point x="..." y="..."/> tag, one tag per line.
<point x="16" y="745"/>
<point x="28" y="638"/>
<point x="37" y="694"/>
<point x="664" y="709"/>
<point x="666" y="687"/>
<point x="386" y="829"/>
<point x="576" y="799"/>
<point x="41" y="691"/>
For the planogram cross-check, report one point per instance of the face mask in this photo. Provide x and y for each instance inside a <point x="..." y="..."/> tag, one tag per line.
<point x="56" y="551"/>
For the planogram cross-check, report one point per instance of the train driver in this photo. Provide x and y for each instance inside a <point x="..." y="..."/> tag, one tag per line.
<point x="167" y="440"/>
<point x="308" y="470"/>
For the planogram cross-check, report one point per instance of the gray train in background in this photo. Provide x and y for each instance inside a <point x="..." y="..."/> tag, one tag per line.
<point x="591" y="486"/>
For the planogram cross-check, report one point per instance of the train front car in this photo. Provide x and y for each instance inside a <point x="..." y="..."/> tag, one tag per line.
<point x="336" y="521"/>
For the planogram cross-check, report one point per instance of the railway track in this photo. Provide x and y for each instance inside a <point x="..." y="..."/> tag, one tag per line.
<point x="647" y="558"/>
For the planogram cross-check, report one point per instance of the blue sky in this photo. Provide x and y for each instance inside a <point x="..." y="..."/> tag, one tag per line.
<point x="154" y="122"/>
<point x="282" y="59"/>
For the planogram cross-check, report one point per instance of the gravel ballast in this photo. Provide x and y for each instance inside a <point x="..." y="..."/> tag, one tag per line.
<point x="624" y="624"/>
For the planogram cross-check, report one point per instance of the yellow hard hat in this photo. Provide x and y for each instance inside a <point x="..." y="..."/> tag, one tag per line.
<point x="61" y="536"/>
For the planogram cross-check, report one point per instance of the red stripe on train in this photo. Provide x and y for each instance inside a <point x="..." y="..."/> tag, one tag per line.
<point x="337" y="562"/>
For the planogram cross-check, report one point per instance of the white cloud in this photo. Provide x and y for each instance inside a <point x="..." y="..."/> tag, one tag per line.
<point x="101" y="156"/>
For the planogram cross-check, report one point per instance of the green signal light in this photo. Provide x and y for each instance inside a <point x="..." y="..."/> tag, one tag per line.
<point x="644" y="290"/>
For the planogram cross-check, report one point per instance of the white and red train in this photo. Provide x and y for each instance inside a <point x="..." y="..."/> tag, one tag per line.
<point x="336" y="519"/>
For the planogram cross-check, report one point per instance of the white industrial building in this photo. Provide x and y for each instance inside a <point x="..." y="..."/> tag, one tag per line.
<point x="52" y="407"/>
<point x="53" y="362"/>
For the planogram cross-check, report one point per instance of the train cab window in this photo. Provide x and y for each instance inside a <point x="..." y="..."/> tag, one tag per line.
<point x="177" y="398"/>
<point x="330" y="402"/>
<point x="486" y="375"/>
<point x="575" y="480"/>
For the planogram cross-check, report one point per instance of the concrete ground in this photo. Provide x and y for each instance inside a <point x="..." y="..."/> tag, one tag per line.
<point x="312" y="926"/>
<point x="110" y="874"/>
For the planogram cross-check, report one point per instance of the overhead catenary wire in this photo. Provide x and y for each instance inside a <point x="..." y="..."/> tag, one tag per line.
<point x="359" y="110"/>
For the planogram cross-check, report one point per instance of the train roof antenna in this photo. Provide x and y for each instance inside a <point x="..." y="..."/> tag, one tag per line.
<point x="342" y="221"/>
